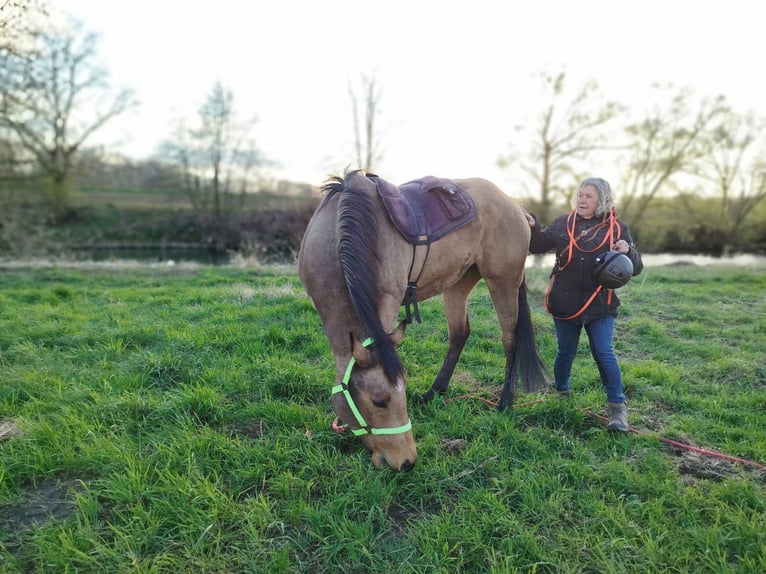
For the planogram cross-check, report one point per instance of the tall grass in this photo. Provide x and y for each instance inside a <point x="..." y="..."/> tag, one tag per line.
<point x="177" y="420"/>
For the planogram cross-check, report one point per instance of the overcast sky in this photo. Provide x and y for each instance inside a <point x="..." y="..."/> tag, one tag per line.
<point x="455" y="77"/>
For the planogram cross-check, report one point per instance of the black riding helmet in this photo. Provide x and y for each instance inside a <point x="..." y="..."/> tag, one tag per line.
<point x="612" y="269"/>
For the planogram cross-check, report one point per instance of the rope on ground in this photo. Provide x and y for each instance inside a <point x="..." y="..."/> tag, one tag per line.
<point x="684" y="446"/>
<point x="675" y="443"/>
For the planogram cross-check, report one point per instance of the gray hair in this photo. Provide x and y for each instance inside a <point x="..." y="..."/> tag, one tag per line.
<point x="605" y="204"/>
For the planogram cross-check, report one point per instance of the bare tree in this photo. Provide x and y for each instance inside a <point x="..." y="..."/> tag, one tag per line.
<point x="671" y="139"/>
<point x="736" y="167"/>
<point x="214" y="136"/>
<point x="564" y="136"/>
<point x="177" y="150"/>
<point x="365" y="110"/>
<point x="21" y="21"/>
<point x="52" y="99"/>
<point x="215" y="157"/>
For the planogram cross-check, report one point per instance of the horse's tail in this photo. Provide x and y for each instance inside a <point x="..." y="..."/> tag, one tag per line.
<point x="530" y="365"/>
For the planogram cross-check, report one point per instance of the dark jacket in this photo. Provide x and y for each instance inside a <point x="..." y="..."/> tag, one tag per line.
<point x="572" y="283"/>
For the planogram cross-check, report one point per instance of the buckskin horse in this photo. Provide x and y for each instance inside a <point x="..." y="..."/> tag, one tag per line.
<point x="370" y="248"/>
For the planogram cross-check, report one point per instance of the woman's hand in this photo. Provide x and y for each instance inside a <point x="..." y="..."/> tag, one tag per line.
<point x="622" y="246"/>
<point x="530" y="219"/>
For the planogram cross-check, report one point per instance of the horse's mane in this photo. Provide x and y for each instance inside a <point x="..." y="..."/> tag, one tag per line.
<point x="333" y="185"/>
<point x="361" y="263"/>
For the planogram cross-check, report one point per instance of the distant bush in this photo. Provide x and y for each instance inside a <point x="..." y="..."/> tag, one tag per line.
<point x="269" y="227"/>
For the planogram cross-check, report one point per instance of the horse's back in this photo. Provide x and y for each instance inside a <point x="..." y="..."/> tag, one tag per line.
<point x="488" y="196"/>
<point x="494" y="243"/>
<point x="500" y="217"/>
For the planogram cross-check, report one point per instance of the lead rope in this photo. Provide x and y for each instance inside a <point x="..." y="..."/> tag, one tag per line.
<point x="675" y="443"/>
<point x="684" y="446"/>
<point x="609" y="236"/>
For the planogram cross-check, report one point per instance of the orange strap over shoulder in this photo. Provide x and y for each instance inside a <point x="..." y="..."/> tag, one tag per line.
<point x="609" y="237"/>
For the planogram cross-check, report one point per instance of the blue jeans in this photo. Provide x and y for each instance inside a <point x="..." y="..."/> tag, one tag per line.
<point x="600" y="332"/>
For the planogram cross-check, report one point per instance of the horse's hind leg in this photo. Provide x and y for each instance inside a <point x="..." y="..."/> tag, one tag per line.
<point x="458" y="329"/>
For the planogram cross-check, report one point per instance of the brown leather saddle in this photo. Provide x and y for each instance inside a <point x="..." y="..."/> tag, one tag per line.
<point x="424" y="210"/>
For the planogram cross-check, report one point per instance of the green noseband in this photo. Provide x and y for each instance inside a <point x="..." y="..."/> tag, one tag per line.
<point x="364" y="427"/>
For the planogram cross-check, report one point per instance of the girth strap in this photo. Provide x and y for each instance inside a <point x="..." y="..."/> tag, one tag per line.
<point x="411" y="293"/>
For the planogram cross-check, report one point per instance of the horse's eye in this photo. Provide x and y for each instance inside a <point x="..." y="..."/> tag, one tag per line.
<point x="380" y="404"/>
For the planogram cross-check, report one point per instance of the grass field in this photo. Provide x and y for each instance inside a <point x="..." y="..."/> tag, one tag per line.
<point x="176" y="419"/>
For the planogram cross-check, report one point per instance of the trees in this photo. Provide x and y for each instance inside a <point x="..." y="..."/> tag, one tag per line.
<point x="53" y="97"/>
<point x="703" y="159"/>
<point x="20" y="22"/>
<point x="215" y="157"/>
<point x="735" y="165"/>
<point x="564" y="136"/>
<point x="365" y="110"/>
<point x="669" y="140"/>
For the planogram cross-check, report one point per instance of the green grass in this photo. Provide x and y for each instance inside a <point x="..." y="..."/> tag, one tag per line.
<point x="177" y="420"/>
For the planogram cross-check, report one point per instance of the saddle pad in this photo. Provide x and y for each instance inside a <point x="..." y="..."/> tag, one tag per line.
<point x="426" y="209"/>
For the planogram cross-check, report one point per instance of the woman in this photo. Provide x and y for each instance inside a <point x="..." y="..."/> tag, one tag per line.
<point x="575" y="299"/>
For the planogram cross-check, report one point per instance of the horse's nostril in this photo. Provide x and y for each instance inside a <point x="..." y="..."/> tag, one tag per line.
<point x="407" y="465"/>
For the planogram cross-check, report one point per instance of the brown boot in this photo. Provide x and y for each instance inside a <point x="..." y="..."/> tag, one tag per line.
<point x="618" y="416"/>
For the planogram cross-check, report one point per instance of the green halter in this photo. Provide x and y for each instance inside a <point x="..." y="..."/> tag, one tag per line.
<point x="364" y="427"/>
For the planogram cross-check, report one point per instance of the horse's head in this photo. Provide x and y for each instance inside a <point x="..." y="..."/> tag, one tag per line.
<point x="375" y="408"/>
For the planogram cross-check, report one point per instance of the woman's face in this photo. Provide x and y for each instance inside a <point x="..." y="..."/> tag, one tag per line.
<point x="587" y="201"/>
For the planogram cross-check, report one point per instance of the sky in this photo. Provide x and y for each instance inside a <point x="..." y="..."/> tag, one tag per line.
<point x="455" y="77"/>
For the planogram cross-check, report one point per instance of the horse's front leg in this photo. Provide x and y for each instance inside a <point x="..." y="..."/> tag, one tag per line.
<point x="458" y="329"/>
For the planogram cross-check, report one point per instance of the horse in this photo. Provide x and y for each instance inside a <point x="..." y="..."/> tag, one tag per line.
<point x="357" y="269"/>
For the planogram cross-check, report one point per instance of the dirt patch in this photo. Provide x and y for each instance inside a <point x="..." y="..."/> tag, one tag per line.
<point x="693" y="467"/>
<point x="50" y="500"/>
<point x="401" y="516"/>
<point x="8" y="430"/>
<point x="252" y="430"/>
<point x="454" y="446"/>
<point x="655" y="415"/>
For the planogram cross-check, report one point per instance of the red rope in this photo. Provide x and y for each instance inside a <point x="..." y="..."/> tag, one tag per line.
<point x="337" y="427"/>
<point x="675" y="443"/>
<point x="684" y="446"/>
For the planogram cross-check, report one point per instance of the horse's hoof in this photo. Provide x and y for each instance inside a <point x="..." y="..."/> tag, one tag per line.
<point x="428" y="397"/>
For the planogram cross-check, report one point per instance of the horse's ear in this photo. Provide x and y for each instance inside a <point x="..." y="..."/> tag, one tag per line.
<point x="397" y="334"/>
<point x="363" y="355"/>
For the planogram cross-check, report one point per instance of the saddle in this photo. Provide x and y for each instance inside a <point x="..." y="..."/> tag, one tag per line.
<point x="426" y="209"/>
